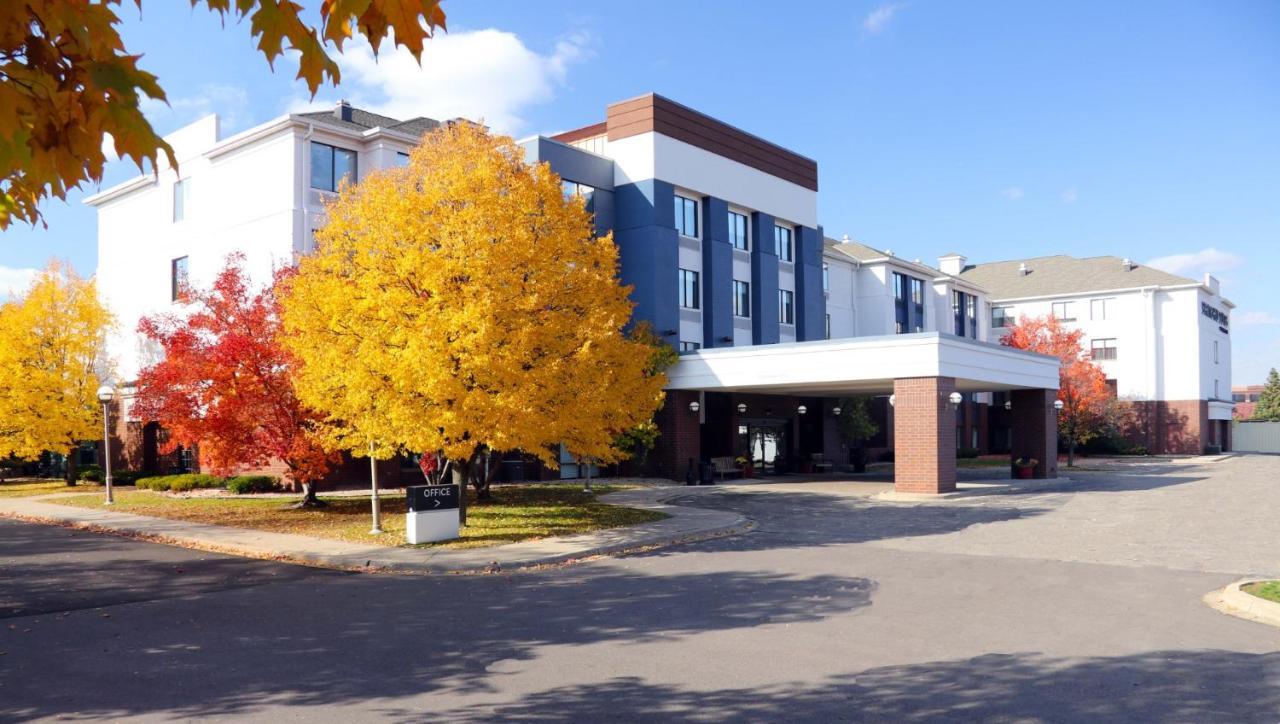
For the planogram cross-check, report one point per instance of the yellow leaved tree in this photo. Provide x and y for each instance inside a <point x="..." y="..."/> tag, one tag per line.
<point x="52" y="358"/>
<point x="462" y="304"/>
<point x="67" y="83"/>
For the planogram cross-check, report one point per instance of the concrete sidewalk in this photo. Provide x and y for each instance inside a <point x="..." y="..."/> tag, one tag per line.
<point x="684" y="524"/>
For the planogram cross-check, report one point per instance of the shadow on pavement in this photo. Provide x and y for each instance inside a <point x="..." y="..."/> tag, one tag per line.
<point x="363" y="638"/>
<point x="1177" y="686"/>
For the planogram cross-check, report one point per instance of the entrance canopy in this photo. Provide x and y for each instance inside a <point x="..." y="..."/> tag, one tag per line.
<point x="863" y="365"/>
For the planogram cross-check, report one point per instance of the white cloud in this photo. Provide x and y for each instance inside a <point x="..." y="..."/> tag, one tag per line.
<point x="231" y="103"/>
<point x="1013" y="193"/>
<point x="878" y="20"/>
<point x="1069" y="196"/>
<point x="487" y="75"/>
<point x="1197" y="262"/>
<point x="14" y="280"/>
<point x="1254" y="319"/>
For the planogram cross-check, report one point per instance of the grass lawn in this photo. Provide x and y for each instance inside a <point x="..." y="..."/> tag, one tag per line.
<point x="516" y="513"/>
<point x="25" y="487"/>
<point x="1268" y="590"/>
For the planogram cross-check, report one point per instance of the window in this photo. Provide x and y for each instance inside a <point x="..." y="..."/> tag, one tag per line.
<point x="826" y="278"/>
<point x="571" y="189"/>
<point x="1065" y="311"/>
<point x="181" y="195"/>
<point x="1100" y="308"/>
<point x="179" y="280"/>
<point x="901" y="318"/>
<point x="1215" y="389"/>
<point x="786" y="306"/>
<point x="330" y="165"/>
<point x="687" y="217"/>
<point x="1001" y="317"/>
<point x="1237" y="397"/>
<point x="1103" y="349"/>
<point x="782" y="243"/>
<point x="971" y="310"/>
<point x="689" y="346"/>
<point x="961" y="307"/>
<point x="741" y="299"/>
<point x="917" y="304"/>
<point x="827" y="326"/>
<point x="1215" y="351"/>
<point x="689" y="289"/>
<point x="738" y="231"/>
<point x="402" y="159"/>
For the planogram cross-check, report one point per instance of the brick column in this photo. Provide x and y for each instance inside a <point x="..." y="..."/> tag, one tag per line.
<point x="1034" y="423"/>
<point x="924" y="435"/>
<point x="680" y="438"/>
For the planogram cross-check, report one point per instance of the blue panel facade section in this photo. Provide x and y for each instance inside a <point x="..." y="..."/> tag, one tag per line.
<point x="810" y="300"/>
<point x="645" y="232"/>
<point x="574" y="164"/>
<point x="764" y="281"/>
<point x="717" y="274"/>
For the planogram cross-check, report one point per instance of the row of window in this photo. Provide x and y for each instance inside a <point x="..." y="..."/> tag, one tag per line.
<point x="964" y="308"/>
<point x="1099" y="309"/>
<point x="686" y="222"/>
<point x="908" y="304"/>
<point x="691" y="296"/>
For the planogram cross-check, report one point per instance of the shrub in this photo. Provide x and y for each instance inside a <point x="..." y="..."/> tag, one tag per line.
<point x="91" y="474"/>
<point x="247" y="484"/>
<point x="967" y="452"/>
<point x="180" y="483"/>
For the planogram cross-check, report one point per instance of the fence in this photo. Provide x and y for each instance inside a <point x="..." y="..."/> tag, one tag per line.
<point x="1255" y="436"/>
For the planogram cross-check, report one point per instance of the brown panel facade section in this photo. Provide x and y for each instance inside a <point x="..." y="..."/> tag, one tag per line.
<point x="661" y="115"/>
<point x="577" y="134"/>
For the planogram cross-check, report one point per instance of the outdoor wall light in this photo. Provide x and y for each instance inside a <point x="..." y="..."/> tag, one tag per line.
<point x="892" y="398"/>
<point x="1058" y="405"/>
<point x="694" y="407"/>
<point x="1008" y="404"/>
<point x="742" y="408"/>
<point x="802" y="409"/>
<point x="956" y="398"/>
<point x="836" y="411"/>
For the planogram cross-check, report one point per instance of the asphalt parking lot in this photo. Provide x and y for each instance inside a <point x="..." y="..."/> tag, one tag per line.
<point x="1074" y="603"/>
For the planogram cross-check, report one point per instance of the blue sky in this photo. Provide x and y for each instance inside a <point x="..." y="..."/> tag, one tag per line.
<point x="995" y="129"/>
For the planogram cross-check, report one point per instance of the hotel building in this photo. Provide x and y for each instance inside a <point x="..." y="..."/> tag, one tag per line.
<point x="719" y="236"/>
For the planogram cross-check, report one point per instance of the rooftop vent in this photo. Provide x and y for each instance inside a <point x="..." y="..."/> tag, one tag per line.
<point x="342" y="111"/>
<point x="844" y="239"/>
<point x="1023" y="269"/>
<point x="888" y="252"/>
<point x="1127" y="263"/>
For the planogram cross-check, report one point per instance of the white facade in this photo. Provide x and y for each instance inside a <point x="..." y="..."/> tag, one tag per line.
<point x="249" y="193"/>
<point x="1156" y="343"/>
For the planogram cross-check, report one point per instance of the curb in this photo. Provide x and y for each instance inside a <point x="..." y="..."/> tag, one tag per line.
<point x="976" y="489"/>
<point x="683" y="525"/>
<point x="1235" y="602"/>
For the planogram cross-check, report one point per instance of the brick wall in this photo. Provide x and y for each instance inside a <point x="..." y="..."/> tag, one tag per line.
<point x="924" y="434"/>
<point x="1035" y="429"/>
<point x="1179" y="427"/>
<point x="680" y="438"/>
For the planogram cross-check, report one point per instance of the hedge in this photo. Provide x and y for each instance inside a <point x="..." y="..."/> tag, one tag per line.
<point x="180" y="483"/>
<point x="247" y="484"/>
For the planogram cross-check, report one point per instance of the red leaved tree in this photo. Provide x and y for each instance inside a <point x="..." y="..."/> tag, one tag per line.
<point x="224" y="384"/>
<point x="1082" y="386"/>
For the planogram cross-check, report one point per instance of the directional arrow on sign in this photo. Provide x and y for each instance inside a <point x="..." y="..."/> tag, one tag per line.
<point x="437" y="502"/>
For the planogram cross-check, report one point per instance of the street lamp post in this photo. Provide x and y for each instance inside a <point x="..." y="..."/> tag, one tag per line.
<point x="376" y="501"/>
<point x="105" y="395"/>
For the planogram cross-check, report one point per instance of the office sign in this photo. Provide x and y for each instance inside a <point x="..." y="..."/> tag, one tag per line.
<point x="428" y="498"/>
<point x="432" y="514"/>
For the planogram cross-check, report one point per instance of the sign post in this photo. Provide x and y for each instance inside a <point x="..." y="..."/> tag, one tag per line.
<point x="433" y="513"/>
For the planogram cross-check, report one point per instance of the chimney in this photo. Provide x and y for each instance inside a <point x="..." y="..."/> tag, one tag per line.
<point x="1127" y="263"/>
<point x="951" y="264"/>
<point x="1023" y="269"/>
<point x="342" y="111"/>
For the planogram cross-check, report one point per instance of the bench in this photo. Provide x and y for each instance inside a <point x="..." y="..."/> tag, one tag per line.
<point x="820" y="464"/>
<point x="724" y="466"/>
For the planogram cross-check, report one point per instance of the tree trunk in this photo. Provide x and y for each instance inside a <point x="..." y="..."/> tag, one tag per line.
<point x="460" y="480"/>
<point x="1071" y="453"/>
<point x="71" y="468"/>
<point x="309" y="499"/>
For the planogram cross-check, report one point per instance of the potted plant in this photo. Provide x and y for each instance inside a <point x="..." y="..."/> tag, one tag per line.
<point x="744" y="462"/>
<point x="1024" y="468"/>
<point x="856" y="428"/>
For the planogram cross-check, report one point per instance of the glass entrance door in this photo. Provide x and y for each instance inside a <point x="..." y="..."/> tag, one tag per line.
<point x="766" y="443"/>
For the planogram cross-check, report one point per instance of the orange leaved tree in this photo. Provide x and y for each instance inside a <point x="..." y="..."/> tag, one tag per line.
<point x="224" y="383"/>
<point x="67" y="82"/>
<point x="1082" y="386"/>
